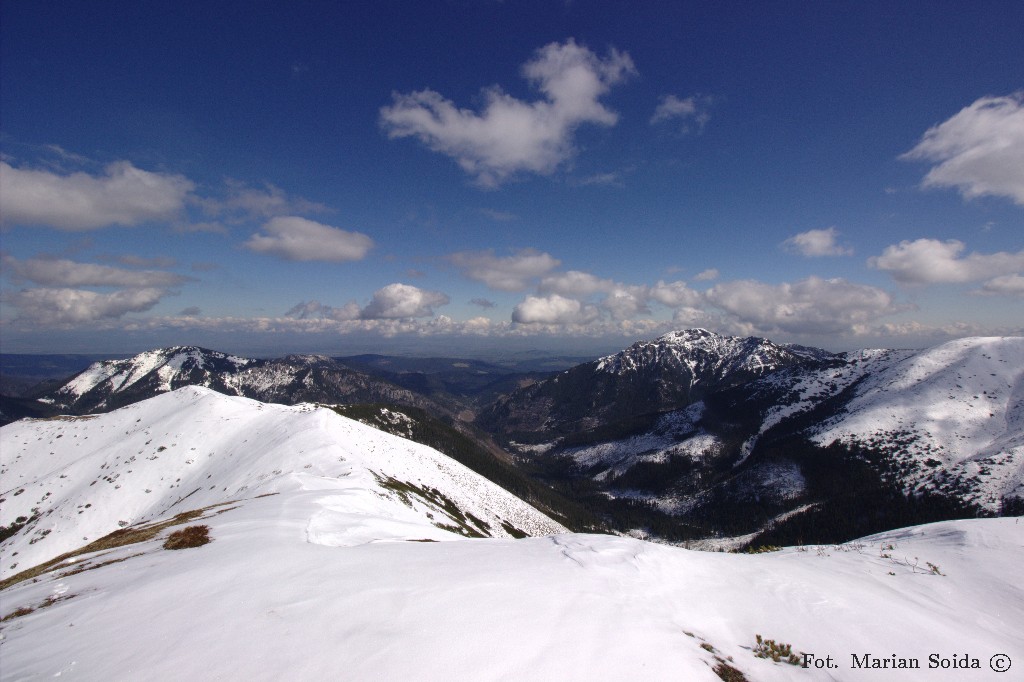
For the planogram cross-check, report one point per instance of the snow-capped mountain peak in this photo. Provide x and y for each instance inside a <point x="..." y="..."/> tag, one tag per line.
<point x="295" y="378"/>
<point x="708" y="356"/>
<point x="167" y="363"/>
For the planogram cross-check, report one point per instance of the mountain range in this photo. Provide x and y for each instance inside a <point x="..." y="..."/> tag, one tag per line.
<point x="743" y="436"/>
<point x="690" y="437"/>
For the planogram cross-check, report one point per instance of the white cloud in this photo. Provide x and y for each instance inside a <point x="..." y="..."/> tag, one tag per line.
<point x="574" y="283"/>
<point x="930" y="261"/>
<point x="60" y="272"/>
<point x="1006" y="285"/>
<point x="706" y="275"/>
<point x="695" y="109"/>
<point x="621" y="300"/>
<point x="676" y="294"/>
<point x="510" y="135"/>
<point x="299" y="239"/>
<point x="123" y="195"/>
<point x="396" y="301"/>
<point x="553" y="310"/>
<point x="815" y="243"/>
<point x="980" y="150"/>
<point x="65" y="307"/>
<point x="810" y="306"/>
<point x="511" y="273"/>
<point x="625" y="302"/>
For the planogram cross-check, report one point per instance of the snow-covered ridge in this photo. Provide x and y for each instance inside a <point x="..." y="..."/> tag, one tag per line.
<point x="703" y="353"/>
<point x="168" y="362"/>
<point x="951" y="418"/>
<point x="958" y="407"/>
<point x="77" y="479"/>
<point x="289" y="380"/>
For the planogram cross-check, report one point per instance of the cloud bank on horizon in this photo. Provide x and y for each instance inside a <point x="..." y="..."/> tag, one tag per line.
<point x="594" y="194"/>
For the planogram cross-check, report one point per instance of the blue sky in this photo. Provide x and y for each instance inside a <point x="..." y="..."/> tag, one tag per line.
<point x="469" y="177"/>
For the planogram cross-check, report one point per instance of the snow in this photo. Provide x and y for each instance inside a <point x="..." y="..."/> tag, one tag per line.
<point x="94" y="375"/>
<point x="86" y="477"/>
<point x="952" y="414"/>
<point x="263" y="603"/>
<point x="673" y="434"/>
<point x="318" y="569"/>
<point x="959" y="404"/>
<point x="706" y="355"/>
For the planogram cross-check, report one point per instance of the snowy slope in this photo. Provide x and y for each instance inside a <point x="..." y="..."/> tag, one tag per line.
<point x="263" y="602"/>
<point x="318" y="569"/>
<point x="79" y="478"/>
<point x="953" y="415"/>
<point x="167" y="363"/>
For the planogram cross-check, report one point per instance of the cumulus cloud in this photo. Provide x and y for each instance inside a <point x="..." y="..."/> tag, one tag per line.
<point x="815" y="243"/>
<point x="675" y="294"/>
<point x="65" y="306"/>
<point x="60" y="272"/>
<point x="1006" y="285"/>
<point x="510" y="135"/>
<point x="706" y="275"/>
<point x="299" y="239"/>
<point x="553" y="310"/>
<point x="980" y="150"/>
<point x="509" y="273"/>
<point x="574" y="283"/>
<point x="122" y="195"/>
<point x="396" y="301"/>
<point x="695" y="109"/>
<point x="811" y="306"/>
<point x="624" y="302"/>
<point x="930" y="261"/>
<point x="618" y="300"/>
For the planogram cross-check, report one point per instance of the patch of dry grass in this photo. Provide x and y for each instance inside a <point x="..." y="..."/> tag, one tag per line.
<point x="119" y="538"/>
<point x="190" y="536"/>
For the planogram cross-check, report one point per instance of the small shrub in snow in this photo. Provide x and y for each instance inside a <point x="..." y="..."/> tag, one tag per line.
<point x="190" y="536"/>
<point x="777" y="651"/>
<point x="728" y="673"/>
<point x="763" y="549"/>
